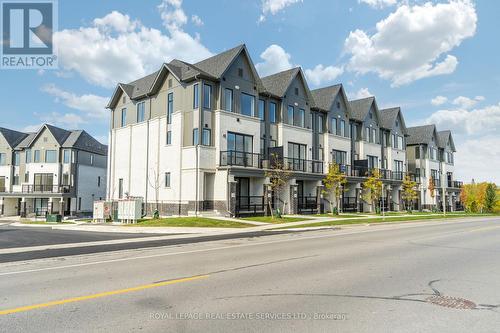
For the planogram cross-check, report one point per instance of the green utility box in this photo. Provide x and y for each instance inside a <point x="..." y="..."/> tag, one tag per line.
<point x="53" y="218"/>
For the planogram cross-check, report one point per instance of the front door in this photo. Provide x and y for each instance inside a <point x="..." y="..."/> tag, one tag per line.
<point x="2" y="184"/>
<point x="41" y="206"/>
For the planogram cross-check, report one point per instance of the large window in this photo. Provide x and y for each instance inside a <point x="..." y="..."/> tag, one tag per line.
<point x="17" y="158"/>
<point x="228" y="99"/>
<point x="239" y="142"/>
<point x="272" y="112"/>
<point x="207" y="96"/>
<point x="300" y="118"/>
<point x="124" y="117"/>
<point x="433" y="153"/>
<point x="66" y="156"/>
<point x="247" y="104"/>
<point x="28" y="155"/>
<point x="372" y="162"/>
<point x="141" y="111"/>
<point x="297" y="151"/>
<point x="342" y="128"/>
<point x="195" y="136"/>
<point x="37" y="156"/>
<point x="290" y="115"/>
<point x="196" y="96"/>
<point x="333" y="125"/>
<point x="50" y="156"/>
<point x="320" y="123"/>
<point x="339" y="157"/>
<point x="262" y="108"/>
<point x="206" y="138"/>
<point x="398" y="166"/>
<point x="170" y="107"/>
<point x="3" y="159"/>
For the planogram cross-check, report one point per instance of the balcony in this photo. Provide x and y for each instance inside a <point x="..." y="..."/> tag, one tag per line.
<point x="301" y="165"/>
<point x="455" y="184"/>
<point x="242" y="159"/>
<point x="57" y="189"/>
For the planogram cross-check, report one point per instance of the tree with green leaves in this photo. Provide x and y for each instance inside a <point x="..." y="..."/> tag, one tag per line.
<point x="432" y="189"/>
<point x="334" y="182"/>
<point x="372" y="188"/>
<point x="279" y="175"/>
<point x="409" y="192"/>
<point x="490" y="198"/>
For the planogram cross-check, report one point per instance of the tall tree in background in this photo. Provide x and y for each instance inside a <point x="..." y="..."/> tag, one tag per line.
<point x="334" y="182"/>
<point x="278" y="175"/>
<point x="490" y="198"/>
<point x="409" y="192"/>
<point x="372" y="188"/>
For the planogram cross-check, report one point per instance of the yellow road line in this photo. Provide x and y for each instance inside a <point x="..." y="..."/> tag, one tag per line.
<point x="99" y="295"/>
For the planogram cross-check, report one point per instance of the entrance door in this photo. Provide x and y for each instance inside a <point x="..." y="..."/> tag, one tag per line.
<point x="2" y="184"/>
<point x="208" y="191"/>
<point x="243" y="191"/>
<point x="41" y="206"/>
<point x="300" y="189"/>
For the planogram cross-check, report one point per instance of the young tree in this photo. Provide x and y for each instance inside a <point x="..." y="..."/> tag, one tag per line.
<point x="432" y="188"/>
<point x="409" y="192"/>
<point x="279" y="175"/>
<point x="490" y="198"/>
<point x="334" y="182"/>
<point x="155" y="182"/>
<point x="372" y="188"/>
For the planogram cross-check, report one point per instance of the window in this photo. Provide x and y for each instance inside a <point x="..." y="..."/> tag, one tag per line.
<point x="207" y="137"/>
<point x="98" y="181"/>
<point x="417" y="152"/>
<point x="320" y="123"/>
<point x="367" y="134"/>
<point x="262" y="147"/>
<point x="339" y="157"/>
<point x="374" y="136"/>
<point x="297" y="151"/>
<point x="338" y="105"/>
<point x="28" y="155"/>
<point x="65" y="180"/>
<point x="400" y="143"/>
<point x="37" y="156"/>
<point x="66" y="156"/>
<point x="195" y="96"/>
<point x="167" y="179"/>
<point x="170" y="107"/>
<point x="195" y="136"/>
<point x="207" y="96"/>
<point x="120" y="188"/>
<point x="272" y="112"/>
<point x="228" y="100"/>
<point x="15" y="180"/>
<point x="17" y="158"/>
<point x="342" y="128"/>
<point x="91" y="159"/>
<point x="239" y="142"/>
<point x="170" y="83"/>
<point x="398" y="166"/>
<point x="169" y="137"/>
<point x="124" y="117"/>
<point x="50" y="156"/>
<point x="272" y="143"/>
<point x="372" y="162"/>
<point x="262" y="107"/>
<point x="290" y="115"/>
<point x="124" y="99"/>
<point x="333" y="128"/>
<point x="140" y="111"/>
<point x="371" y="115"/>
<point x="320" y="154"/>
<point x="27" y="177"/>
<point x="300" y="118"/>
<point x="247" y="104"/>
<point x="394" y="142"/>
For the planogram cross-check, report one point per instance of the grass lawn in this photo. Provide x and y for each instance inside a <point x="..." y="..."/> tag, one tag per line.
<point x="199" y="222"/>
<point x="43" y="222"/>
<point x="340" y="216"/>
<point x="387" y="219"/>
<point x="269" y="219"/>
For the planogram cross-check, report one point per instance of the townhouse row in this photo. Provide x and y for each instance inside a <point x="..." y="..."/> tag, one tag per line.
<point x="52" y="170"/>
<point x="198" y="137"/>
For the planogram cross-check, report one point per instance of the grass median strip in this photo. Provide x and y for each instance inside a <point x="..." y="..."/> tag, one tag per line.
<point x="269" y="219"/>
<point x="198" y="222"/>
<point x="100" y="295"/>
<point x="381" y="220"/>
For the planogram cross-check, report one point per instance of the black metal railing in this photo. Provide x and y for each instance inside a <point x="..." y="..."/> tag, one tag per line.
<point x="46" y="189"/>
<point x="239" y="158"/>
<point x="207" y="205"/>
<point x="455" y="184"/>
<point x="398" y="175"/>
<point x="459" y="207"/>
<point x="307" y="205"/>
<point x="247" y="205"/>
<point x="349" y="204"/>
<point x="296" y="164"/>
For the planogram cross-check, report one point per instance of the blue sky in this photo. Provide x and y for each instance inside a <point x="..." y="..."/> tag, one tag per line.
<point x="438" y="60"/>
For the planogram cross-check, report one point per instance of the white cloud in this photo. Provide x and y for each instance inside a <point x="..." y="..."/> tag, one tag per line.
<point x="172" y="14"/>
<point x="116" y="48"/>
<point x="321" y="74"/>
<point x="197" y="21"/>
<point x="276" y="59"/>
<point x="466" y="102"/>
<point x="66" y="120"/>
<point x="413" y="42"/>
<point x="379" y="3"/>
<point x="92" y="106"/>
<point x="274" y="6"/>
<point x="476" y="138"/>
<point x="361" y="93"/>
<point x="439" y="100"/>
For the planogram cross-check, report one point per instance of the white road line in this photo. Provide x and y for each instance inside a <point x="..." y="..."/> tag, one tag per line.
<point x="220" y="248"/>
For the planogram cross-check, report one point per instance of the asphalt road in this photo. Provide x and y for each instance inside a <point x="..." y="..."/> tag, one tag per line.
<point x="391" y="278"/>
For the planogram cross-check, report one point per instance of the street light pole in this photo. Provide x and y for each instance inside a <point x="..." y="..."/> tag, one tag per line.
<point x="443" y="193"/>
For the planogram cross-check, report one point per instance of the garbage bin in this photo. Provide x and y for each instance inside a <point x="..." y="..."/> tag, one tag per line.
<point x="53" y="218"/>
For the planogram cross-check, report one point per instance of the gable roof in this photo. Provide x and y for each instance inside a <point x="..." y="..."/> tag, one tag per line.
<point x="80" y="139"/>
<point x="324" y="97"/>
<point x="217" y="64"/>
<point x="278" y="84"/>
<point x="361" y="107"/>
<point x="389" y="116"/>
<point x="12" y="137"/>
<point x="421" y="134"/>
<point x="445" y="137"/>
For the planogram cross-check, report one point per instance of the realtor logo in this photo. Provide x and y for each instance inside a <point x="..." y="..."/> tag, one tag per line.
<point x="27" y="34"/>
